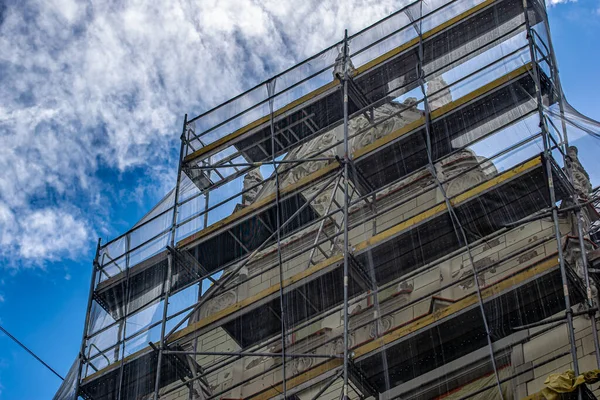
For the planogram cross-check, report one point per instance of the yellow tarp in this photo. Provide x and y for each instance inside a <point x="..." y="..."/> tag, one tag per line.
<point x="556" y="384"/>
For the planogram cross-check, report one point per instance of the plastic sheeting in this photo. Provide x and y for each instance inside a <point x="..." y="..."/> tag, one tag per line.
<point x="421" y="257"/>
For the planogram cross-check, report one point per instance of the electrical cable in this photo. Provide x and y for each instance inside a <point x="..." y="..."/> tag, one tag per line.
<point x="30" y="352"/>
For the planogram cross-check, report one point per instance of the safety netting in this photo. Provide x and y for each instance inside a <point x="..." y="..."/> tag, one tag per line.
<point x="411" y="213"/>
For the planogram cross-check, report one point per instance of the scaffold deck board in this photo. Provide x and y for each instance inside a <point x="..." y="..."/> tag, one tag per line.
<point x="370" y="150"/>
<point x="243" y="308"/>
<point x="486" y="18"/>
<point x="514" y="285"/>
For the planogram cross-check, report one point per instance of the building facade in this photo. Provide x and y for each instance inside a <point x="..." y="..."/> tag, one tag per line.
<point x="400" y="216"/>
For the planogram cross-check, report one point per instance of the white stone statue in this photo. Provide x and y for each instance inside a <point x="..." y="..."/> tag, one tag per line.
<point x="581" y="179"/>
<point x="252" y="178"/>
<point x="438" y="93"/>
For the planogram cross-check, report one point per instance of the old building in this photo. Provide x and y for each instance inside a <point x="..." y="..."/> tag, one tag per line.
<point x="397" y="217"/>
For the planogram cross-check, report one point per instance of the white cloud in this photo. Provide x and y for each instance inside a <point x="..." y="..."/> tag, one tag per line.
<point x="52" y="231"/>
<point x="106" y="85"/>
<point x="2" y="299"/>
<point x="45" y="235"/>
<point x="551" y="3"/>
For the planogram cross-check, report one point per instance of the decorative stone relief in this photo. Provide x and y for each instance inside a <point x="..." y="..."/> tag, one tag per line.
<point x="573" y="258"/>
<point x="464" y="171"/>
<point x="221" y="302"/>
<point x="306" y="152"/>
<point x="467" y="274"/>
<point x="384" y="324"/>
<point x="338" y="67"/>
<point x="581" y="179"/>
<point x="301" y="364"/>
<point x="252" y="178"/>
<point x="336" y="347"/>
<point x="395" y="122"/>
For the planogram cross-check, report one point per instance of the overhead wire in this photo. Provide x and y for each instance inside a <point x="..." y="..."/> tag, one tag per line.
<point x="27" y="349"/>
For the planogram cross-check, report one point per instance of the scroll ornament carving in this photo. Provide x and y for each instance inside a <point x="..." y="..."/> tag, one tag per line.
<point x="463" y="170"/>
<point x="301" y="364"/>
<point x="383" y="324"/>
<point x="336" y="347"/>
<point x="221" y="302"/>
<point x="394" y="120"/>
<point x="313" y="147"/>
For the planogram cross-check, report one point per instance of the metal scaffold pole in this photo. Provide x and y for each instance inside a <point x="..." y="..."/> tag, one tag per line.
<point x="123" y="321"/>
<point x="167" y="284"/>
<point x="95" y="266"/>
<point x="550" y="183"/>
<point x="345" y="223"/>
<point x="271" y="92"/>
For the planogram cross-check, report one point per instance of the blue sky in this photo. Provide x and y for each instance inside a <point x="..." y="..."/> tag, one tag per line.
<point x="93" y="96"/>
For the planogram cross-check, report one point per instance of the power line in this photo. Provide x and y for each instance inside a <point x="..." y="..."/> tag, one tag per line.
<point x="30" y="352"/>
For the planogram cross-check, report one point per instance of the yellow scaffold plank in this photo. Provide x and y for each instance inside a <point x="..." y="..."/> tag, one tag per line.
<point x="362" y="246"/>
<point x="323" y="89"/>
<point x="381" y="142"/>
<point x="374" y="345"/>
<point x="415" y="41"/>
<point x="446" y="109"/>
<point x="239" y="132"/>
<point x="253" y="299"/>
<point x="305" y="181"/>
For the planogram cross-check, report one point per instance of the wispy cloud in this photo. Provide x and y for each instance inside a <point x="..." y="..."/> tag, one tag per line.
<point x="89" y="87"/>
<point x="551" y="3"/>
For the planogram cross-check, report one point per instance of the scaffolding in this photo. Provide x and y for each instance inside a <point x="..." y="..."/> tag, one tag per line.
<point x="399" y="216"/>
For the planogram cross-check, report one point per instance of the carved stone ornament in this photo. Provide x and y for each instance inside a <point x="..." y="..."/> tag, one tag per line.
<point x="467" y="274"/>
<point x="338" y="67"/>
<point x="301" y="364"/>
<point x="251" y="179"/>
<point x="463" y="170"/>
<point x="336" y="347"/>
<point x="394" y="120"/>
<point x="219" y="303"/>
<point x="581" y="179"/>
<point x="311" y="149"/>
<point x="573" y="258"/>
<point x="384" y="324"/>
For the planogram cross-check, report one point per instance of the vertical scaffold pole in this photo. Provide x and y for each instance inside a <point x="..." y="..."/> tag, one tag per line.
<point x="86" y="324"/>
<point x="123" y="324"/>
<point x="271" y="94"/>
<point x="346" y="191"/>
<point x="169" y="264"/>
<point x="548" y="167"/>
